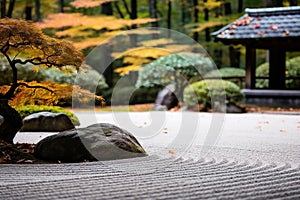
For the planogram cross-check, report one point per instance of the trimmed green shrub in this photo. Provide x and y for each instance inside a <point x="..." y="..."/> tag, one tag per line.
<point x="292" y="70"/>
<point x="226" y="72"/>
<point x="30" y="109"/>
<point x="205" y="90"/>
<point x="262" y="71"/>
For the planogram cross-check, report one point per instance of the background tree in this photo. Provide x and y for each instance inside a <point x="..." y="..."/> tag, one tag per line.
<point x="169" y="15"/>
<point x="3" y="8"/>
<point x="153" y="12"/>
<point x="21" y="42"/>
<point x="61" y="6"/>
<point x="37" y="8"/>
<point x="178" y="69"/>
<point x="196" y="18"/>
<point x="107" y="9"/>
<point x="11" y="7"/>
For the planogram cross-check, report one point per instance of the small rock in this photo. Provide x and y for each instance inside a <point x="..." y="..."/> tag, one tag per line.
<point x="1" y="119"/>
<point x="157" y="107"/>
<point x="166" y="99"/>
<point x="101" y="141"/>
<point x="234" y="108"/>
<point x="47" y="122"/>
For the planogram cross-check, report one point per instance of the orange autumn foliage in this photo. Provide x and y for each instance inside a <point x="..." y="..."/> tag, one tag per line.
<point x="92" y="22"/>
<point x="89" y="3"/>
<point x="23" y="39"/>
<point x="61" y="95"/>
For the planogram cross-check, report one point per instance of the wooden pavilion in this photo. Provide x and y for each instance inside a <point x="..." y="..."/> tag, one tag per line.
<point x="276" y="30"/>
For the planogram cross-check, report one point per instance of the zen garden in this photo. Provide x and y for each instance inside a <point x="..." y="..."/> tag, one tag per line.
<point x="171" y="99"/>
<point x="61" y="59"/>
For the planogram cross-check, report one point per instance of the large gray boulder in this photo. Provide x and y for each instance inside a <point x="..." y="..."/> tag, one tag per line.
<point x="47" y="122"/>
<point x="101" y="141"/>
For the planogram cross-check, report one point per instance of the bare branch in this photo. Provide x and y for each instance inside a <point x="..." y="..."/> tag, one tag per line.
<point x="37" y="61"/>
<point x="35" y="86"/>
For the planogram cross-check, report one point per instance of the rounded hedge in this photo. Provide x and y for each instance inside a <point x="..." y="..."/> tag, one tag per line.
<point x="292" y="70"/>
<point x="31" y="109"/>
<point x="202" y="92"/>
<point x="226" y="72"/>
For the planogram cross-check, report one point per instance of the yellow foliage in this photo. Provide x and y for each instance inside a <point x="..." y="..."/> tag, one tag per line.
<point x="94" y="22"/>
<point x="80" y="31"/>
<point x="136" y="64"/>
<point x="178" y="48"/>
<point x="126" y="70"/>
<point x="142" y="31"/>
<point x="156" y="42"/>
<point x="95" y="41"/>
<point x="210" y="5"/>
<point x="89" y="3"/>
<point x="205" y="25"/>
<point x="144" y="52"/>
<point x="135" y="60"/>
<point x="137" y="57"/>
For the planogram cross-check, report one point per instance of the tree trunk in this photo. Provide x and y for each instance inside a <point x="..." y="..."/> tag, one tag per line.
<point x="3" y="8"/>
<point x="169" y="18"/>
<point x="37" y="7"/>
<point x="106" y="9"/>
<point x="12" y="122"/>
<point x="10" y="8"/>
<point x="273" y="3"/>
<point x="207" y="35"/>
<point x="227" y="8"/>
<point x="28" y="12"/>
<point x="133" y="13"/>
<point x="196" y="15"/>
<point x="183" y="12"/>
<point x="153" y="12"/>
<point x="240" y="6"/>
<point x="206" y="14"/>
<point x="61" y="6"/>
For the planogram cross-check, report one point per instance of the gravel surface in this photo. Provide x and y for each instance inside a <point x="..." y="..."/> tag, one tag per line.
<point x="191" y="156"/>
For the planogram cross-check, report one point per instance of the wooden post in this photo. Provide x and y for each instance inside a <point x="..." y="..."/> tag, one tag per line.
<point x="250" y="67"/>
<point x="277" y="68"/>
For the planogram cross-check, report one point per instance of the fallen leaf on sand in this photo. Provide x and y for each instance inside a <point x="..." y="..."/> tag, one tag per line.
<point x="171" y="152"/>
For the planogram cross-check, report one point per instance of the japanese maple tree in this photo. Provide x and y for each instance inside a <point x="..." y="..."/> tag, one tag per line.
<point x="22" y="42"/>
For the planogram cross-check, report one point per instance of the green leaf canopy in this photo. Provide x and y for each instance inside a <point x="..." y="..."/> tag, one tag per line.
<point x="173" y="68"/>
